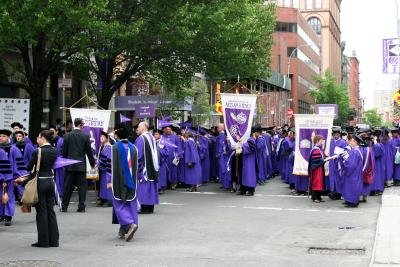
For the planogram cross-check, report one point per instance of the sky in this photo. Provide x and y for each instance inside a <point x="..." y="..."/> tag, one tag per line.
<point x="364" y="23"/>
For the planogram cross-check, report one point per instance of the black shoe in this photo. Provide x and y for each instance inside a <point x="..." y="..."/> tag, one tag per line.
<point x="1" y="218"/>
<point x="131" y="232"/>
<point x="37" y="245"/>
<point x="7" y="221"/>
<point x="241" y="193"/>
<point x="64" y="210"/>
<point x="396" y="183"/>
<point x="54" y="245"/>
<point x="249" y="194"/>
<point x="80" y="210"/>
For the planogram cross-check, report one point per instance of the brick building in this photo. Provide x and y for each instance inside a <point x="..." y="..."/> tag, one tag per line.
<point x="354" y="88"/>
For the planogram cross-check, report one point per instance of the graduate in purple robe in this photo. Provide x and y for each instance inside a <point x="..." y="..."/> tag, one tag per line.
<point x="148" y="167"/>
<point x="389" y="157"/>
<point x="368" y="163"/>
<point x="12" y="167"/>
<point x="268" y="152"/>
<point x="26" y="151"/>
<point x="249" y="174"/>
<point x="57" y="142"/>
<point x="380" y="165"/>
<point x="287" y="147"/>
<point x="280" y="156"/>
<point x="261" y="155"/>
<point x="212" y="148"/>
<point x="18" y="127"/>
<point x="173" y="152"/>
<point x="163" y="154"/>
<point x="124" y="184"/>
<point x="193" y="174"/>
<point x="180" y="155"/>
<point x="224" y="155"/>
<point x="104" y="164"/>
<point x="204" y="154"/>
<point x="335" y="185"/>
<point x="395" y="144"/>
<point x="274" y="156"/>
<point x="351" y="166"/>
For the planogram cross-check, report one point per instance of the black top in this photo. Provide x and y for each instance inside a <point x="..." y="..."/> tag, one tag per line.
<point x="48" y="157"/>
<point x="77" y="146"/>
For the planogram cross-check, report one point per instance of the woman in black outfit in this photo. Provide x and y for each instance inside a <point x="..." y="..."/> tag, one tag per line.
<point x="46" y="220"/>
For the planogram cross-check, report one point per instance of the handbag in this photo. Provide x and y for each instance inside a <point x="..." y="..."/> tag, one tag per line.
<point x="30" y="196"/>
<point x="4" y="197"/>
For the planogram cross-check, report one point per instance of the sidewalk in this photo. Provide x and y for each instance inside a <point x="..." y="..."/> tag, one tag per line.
<point x="387" y="242"/>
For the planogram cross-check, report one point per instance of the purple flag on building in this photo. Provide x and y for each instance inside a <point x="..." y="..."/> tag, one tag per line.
<point x="123" y="118"/>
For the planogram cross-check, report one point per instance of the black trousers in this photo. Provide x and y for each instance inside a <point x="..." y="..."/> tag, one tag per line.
<point x="46" y="220"/>
<point x="316" y="195"/>
<point x="74" y="179"/>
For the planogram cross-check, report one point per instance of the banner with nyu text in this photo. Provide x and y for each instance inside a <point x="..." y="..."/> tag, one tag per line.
<point x="238" y="111"/>
<point x="308" y="126"/>
<point x="95" y="121"/>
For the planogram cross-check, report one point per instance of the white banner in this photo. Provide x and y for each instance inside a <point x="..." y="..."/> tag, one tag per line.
<point x="308" y="126"/>
<point x="238" y="111"/>
<point x="14" y="110"/>
<point x="96" y="120"/>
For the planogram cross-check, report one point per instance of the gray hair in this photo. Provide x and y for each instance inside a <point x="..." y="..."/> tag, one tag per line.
<point x="145" y="124"/>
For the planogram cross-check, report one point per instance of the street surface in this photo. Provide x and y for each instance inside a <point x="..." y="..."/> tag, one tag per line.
<point x="210" y="228"/>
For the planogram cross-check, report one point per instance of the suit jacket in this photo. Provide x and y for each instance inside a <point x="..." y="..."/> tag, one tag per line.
<point x="77" y="146"/>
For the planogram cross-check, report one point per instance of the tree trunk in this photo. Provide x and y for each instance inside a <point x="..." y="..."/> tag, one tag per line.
<point x="36" y="115"/>
<point x="105" y="98"/>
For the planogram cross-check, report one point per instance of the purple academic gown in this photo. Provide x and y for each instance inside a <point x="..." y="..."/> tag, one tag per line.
<point x="181" y="165"/>
<point x="224" y="156"/>
<point x="280" y="159"/>
<point x="389" y="160"/>
<point x="163" y="157"/>
<point x="334" y="181"/>
<point x="26" y="151"/>
<point x="367" y="161"/>
<point x="125" y="211"/>
<point x="379" y="168"/>
<point x="351" y="171"/>
<point x="249" y="164"/>
<point x="212" y="148"/>
<point x="193" y="174"/>
<point x="204" y="154"/>
<point x="275" y="164"/>
<point x="261" y="156"/>
<point x="147" y="190"/>
<point x="12" y="167"/>
<point x="395" y="147"/>
<point x="287" y="148"/>
<point x="268" y="153"/>
<point x="172" y="169"/>
<point x="105" y="172"/>
<point x="60" y="172"/>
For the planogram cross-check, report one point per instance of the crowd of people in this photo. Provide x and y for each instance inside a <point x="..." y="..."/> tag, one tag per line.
<point x="135" y="167"/>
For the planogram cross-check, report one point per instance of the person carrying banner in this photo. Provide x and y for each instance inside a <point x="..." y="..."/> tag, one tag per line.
<point x="316" y="170"/>
<point x="351" y="166"/>
<point x="148" y="168"/>
<point x="124" y="184"/>
<point x="12" y="167"/>
<point x="104" y="163"/>
<point x="76" y="146"/>
<point x="337" y="144"/>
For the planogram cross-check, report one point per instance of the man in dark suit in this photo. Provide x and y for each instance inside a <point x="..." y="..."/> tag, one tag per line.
<point x="76" y="146"/>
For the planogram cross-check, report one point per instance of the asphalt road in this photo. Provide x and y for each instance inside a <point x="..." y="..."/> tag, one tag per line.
<point x="209" y="228"/>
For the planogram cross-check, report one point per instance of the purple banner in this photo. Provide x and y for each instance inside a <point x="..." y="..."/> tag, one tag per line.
<point x="145" y="110"/>
<point x="306" y="140"/>
<point x="94" y="134"/>
<point x="391" y="52"/>
<point x="237" y="121"/>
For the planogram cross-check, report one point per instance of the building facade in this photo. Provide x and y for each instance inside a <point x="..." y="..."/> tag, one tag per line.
<point x="354" y="88"/>
<point x="324" y="17"/>
<point x="296" y="53"/>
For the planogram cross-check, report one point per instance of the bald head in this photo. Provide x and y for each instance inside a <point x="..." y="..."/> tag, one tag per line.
<point x="143" y="127"/>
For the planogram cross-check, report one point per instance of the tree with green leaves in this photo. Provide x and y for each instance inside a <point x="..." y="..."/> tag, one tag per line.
<point x="331" y="93"/>
<point x="372" y="117"/>
<point x="168" y="41"/>
<point x="42" y="34"/>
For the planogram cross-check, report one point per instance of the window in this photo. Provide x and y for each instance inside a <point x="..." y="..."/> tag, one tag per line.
<point x="290" y="51"/>
<point x="304" y="107"/>
<point x="318" y="3"/>
<point x="309" y="4"/>
<point x="296" y="3"/>
<point x="286" y="27"/>
<point x="287" y="3"/>
<point x="315" y="24"/>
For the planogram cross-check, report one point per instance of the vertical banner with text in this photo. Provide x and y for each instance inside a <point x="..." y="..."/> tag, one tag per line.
<point x="95" y="121"/>
<point x="238" y="111"/>
<point x="308" y="126"/>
